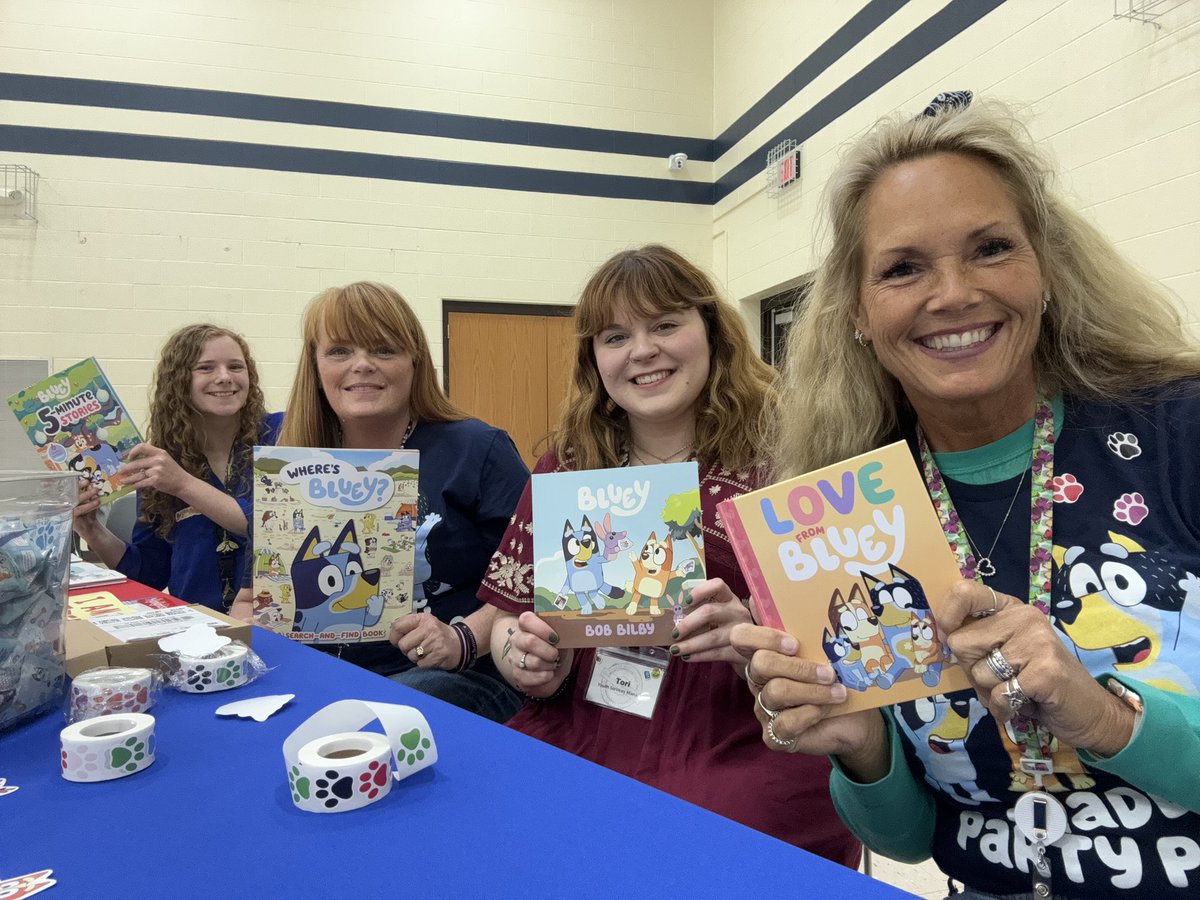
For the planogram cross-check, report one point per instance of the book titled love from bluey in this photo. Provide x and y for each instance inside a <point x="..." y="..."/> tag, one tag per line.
<point x="614" y="551"/>
<point x="851" y="560"/>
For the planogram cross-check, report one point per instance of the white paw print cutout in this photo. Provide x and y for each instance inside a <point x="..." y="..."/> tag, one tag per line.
<point x="199" y="640"/>
<point x="1125" y="445"/>
<point x="257" y="708"/>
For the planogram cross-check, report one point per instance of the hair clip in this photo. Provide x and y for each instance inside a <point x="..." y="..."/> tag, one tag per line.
<point x="947" y="101"/>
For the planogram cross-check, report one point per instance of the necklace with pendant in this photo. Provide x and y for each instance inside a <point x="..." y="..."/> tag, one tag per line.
<point x="983" y="562"/>
<point x="639" y="451"/>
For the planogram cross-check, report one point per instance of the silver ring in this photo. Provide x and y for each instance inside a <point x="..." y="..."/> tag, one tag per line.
<point x="1000" y="666"/>
<point x="985" y="613"/>
<point x="1016" y="697"/>
<point x="750" y="678"/>
<point x="419" y="651"/>
<point x="775" y="739"/>
<point x="771" y="713"/>
<point x="521" y="661"/>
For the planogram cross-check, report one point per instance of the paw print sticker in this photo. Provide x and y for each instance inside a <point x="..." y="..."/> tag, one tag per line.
<point x="1124" y="445"/>
<point x="374" y="779"/>
<point x="128" y="755"/>
<point x="1130" y="508"/>
<point x="229" y="673"/>
<point x="334" y="788"/>
<point x="414" y="747"/>
<point x="200" y="678"/>
<point x="299" y="784"/>
<point x="1066" y="488"/>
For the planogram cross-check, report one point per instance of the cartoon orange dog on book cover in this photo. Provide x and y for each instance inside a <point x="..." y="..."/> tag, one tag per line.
<point x="851" y="560"/>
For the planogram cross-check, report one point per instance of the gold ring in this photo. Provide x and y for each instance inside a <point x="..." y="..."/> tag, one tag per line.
<point x="419" y="651"/>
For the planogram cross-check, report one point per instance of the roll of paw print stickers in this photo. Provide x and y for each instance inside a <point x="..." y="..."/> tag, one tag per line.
<point x="228" y="668"/>
<point x="108" y="747"/>
<point x="111" y="690"/>
<point x="204" y="662"/>
<point x="332" y="766"/>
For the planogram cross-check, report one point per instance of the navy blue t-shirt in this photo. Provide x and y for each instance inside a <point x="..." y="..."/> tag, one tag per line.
<point x="469" y="482"/>
<point x="1126" y="600"/>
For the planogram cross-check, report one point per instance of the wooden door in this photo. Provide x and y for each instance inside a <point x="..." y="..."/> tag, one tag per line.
<point x="510" y="370"/>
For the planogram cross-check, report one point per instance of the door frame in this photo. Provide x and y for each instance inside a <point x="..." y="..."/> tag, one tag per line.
<point x="547" y="310"/>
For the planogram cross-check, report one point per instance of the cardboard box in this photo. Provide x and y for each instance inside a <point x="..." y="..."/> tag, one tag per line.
<point x="90" y="645"/>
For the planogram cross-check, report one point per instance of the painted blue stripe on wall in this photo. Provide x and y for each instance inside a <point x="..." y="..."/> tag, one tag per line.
<point x="831" y="50"/>
<point x="194" y="101"/>
<point x="112" y="145"/>
<point x="953" y="19"/>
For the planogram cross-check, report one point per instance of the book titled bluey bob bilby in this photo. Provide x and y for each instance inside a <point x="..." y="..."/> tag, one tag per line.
<point x="851" y="560"/>
<point x="615" y="551"/>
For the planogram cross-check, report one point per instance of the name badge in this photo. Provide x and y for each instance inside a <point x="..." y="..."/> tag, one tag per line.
<point x="628" y="679"/>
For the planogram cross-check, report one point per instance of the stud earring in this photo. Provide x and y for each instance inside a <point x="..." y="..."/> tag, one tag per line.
<point x="858" y="336"/>
<point x="1045" y="301"/>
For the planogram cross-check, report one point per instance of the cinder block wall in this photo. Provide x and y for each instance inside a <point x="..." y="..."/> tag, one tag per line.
<point x="127" y="249"/>
<point x="1116" y="101"/>
<point x="238" y="197"/>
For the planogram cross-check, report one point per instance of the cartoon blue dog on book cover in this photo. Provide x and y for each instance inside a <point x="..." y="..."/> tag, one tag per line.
<point x="614" y="551"/>
<point x="334" y="541"/>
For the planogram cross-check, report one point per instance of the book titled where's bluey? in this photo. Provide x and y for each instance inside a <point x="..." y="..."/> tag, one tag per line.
<point x="852" y="561"/>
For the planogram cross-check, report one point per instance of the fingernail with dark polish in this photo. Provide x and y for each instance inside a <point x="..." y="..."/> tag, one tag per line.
<point x="553" y="638"/>
<point x="674" y="649"/>
<point x="686" y="658"/>
<point x="675" y="634"/>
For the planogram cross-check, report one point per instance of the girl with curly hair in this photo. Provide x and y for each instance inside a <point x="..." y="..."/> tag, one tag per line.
<point x="193" y="475"/>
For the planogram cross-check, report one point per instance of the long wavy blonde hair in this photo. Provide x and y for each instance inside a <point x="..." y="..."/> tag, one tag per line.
<point x="1108" y="332"/>
<point x="173" y="427"/>
<point x="734" y="416"/>
<point x="365" y="314"/>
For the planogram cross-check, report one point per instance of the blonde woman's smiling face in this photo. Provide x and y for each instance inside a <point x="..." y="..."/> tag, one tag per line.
<point x="951" y="291"/>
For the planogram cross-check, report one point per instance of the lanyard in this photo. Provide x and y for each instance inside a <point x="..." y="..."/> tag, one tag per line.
<point x="227" y="547"/>
<point x="1037" y="815"/>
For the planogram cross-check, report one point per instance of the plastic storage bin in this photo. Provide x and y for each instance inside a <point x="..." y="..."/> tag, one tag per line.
<point x="35" y="541"/>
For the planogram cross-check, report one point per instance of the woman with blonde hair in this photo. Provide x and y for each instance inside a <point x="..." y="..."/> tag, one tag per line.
<point x="1045" y="388"/>
<point x="193" y="475"/>
<point x="664" y="372"/>
<point x="366" y="380"/>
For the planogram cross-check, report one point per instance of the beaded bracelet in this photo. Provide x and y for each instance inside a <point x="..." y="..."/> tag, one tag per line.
<point x="466" y="641"/>
<point x="558" y="691"/>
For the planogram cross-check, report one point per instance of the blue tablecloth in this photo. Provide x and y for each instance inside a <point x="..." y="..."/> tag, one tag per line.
<point x="499" y="815"/>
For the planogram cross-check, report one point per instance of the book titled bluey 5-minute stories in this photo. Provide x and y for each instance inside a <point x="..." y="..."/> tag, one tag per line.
<point x="77" y="424"/>
<point x="334" y="541"/>
<point x="852" y="561"/>
<point x="615" y="551"/>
